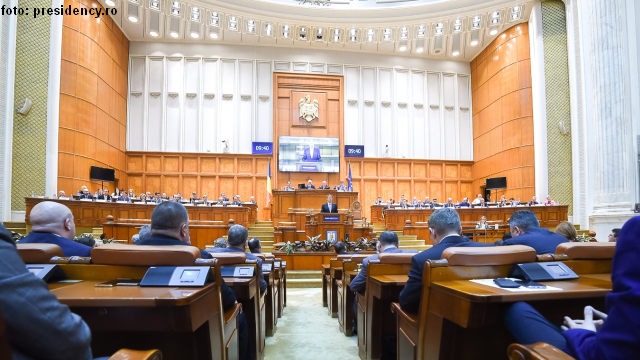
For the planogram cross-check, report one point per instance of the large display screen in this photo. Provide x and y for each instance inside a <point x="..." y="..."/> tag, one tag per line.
<point x="309" y="154"/>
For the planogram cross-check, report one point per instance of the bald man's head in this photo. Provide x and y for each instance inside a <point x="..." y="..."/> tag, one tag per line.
<point x="51" y="217"/>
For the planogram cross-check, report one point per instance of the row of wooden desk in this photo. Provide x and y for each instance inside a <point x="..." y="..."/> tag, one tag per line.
<point x="458" y="319"/>
<point x="95" y="213"/>
<point x="395" y="219"/>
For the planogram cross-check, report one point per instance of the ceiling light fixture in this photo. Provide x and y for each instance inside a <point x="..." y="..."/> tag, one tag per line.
<point x="153" y="4"/>
<point x="455" y="45"/>
<point x="370" y="35"/>
<point x="215" y="19"/>
<point x="195" y="14"/>
<point x="319" y="34"/>
<point x="493" y="32"/>
<point x="175" y="8"/>
<point x="214" y="35"/>
<point x="475" y="38"/>
<point x="110" y="3"/>
<point x="251" y="26"/>
<point x="302" y="33"/>
<point x="153" y="33"/>
<point x="285" y="31"/>
<point x="174" y="34"/>
<point x="386" y="35"/>
<point x="133" y="19"/>
<point x="132" y="13"/>
<point x="195" y="35"/>
<point x="402" y="47"/>
<point x="268" y="29"/>
<point x="421" y="31"/>
<point x="233" y="23"/>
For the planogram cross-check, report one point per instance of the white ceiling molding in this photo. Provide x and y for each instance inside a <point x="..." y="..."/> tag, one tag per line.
<point x="373" y="26"/>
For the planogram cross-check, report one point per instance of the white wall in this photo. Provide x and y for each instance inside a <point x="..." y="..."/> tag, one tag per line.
<point x="190" y="97"/>
<point x="7" y="74"/>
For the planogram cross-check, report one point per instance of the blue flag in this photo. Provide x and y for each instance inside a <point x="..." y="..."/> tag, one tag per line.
<point x="349" y="186"/>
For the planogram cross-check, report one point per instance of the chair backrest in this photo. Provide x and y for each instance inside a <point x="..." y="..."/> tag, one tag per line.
<point x="357" y="259"/>
<point x="587" y="250"/>
<point x="38" y="253"/>
<point x="233" y="258"/>
<point x="491" y="255"/>
<point x="145" y="255"/>
<point x="395" y="258"/>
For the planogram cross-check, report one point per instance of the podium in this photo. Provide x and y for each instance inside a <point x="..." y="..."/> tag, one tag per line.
<point x="330" y="226"/>
<point x="286" y="204"/>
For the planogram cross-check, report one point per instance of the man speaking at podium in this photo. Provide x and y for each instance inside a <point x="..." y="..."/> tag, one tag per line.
<point x="312" y="153"/>
<point x="329" y="207"/>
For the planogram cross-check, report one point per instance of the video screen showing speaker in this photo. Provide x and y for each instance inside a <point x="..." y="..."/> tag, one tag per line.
<point x="309" y="154"/>
<point x="496" y="183"/>
<point x="102" y="174"/>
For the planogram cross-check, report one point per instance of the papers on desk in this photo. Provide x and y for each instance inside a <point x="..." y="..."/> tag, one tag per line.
<point x="489" y="282"/>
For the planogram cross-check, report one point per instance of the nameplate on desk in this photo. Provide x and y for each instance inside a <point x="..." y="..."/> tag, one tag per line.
<point x="86" y="199"/>
<point x="47" y="272"/>
<point x="177" y="276"/>
<point x="101" y="200"/>
<point x="122" y="202"/>
<point x="276" y="264"/>
<point x="237" y="271"/>
<point x="331" y="218"/>
<point x="266" y="267"/>
<point x="308" y="167"/>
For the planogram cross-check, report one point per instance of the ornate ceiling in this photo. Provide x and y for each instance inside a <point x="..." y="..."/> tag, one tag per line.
<point x="440" y="29"/>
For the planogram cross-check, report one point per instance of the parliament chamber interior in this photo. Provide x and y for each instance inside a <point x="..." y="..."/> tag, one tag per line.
<point x="319" y="179"/>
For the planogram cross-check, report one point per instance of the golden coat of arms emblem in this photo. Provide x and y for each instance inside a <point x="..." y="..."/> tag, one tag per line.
<point x="308" y="109"/>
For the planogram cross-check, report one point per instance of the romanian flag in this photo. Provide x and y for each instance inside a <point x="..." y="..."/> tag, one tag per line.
<point x="269" y="193"/>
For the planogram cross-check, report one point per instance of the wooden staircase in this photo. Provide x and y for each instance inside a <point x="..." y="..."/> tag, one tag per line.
<point x="263" y="230"/>
<point x="19" y="227"/>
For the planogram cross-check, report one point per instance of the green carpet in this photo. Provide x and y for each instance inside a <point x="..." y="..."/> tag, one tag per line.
<point x="305" y="331"/>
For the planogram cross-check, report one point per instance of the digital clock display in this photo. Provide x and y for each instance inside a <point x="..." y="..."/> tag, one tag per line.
<point x="354" y="151"/>
<point x="264" y="148"/>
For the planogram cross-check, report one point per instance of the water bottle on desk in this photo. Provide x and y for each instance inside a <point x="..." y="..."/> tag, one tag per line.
<point x="33" y="194"/>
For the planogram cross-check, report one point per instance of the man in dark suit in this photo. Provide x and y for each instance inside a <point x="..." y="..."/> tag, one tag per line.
<point x="329" y="207"/>
<point x="403" y="204"/>
<point x="342" y="186"/>
<point x="464" y="203"/>
<point x="170" y="226"/>
<point x="85" y="195"/>
<point x="52" y="223"/>
<point x="224" y="197"/>
<point x="481" y="204"/>
<point x="445" y="231"/>
<point x="450" y="204"/>
<point x="124" y="197"/>
<point x="104" y="195"/>
<point x="194" y="197"/>
<point x="310" y="185"/>
<point x="324" y="186"/>
<point x="533" y="201"/>
<point x="289" y="187"/>
<point x="220" y="202"/>
<point x="526" y="230"/>
<point x="379" y="201"/>
<point x="37" y="325"/>
<point x="254" y="246"/>
<point x="427" y="203"/>
<point x="387" y="243"/>
<point x="311" y="154"/>
<point x="237" y="242"/>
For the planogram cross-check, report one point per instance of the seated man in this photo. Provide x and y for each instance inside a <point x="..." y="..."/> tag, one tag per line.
<point x="37" y="325"/>
<point x="157" y="198"/>
<point x="237" y="242"/>
<point x="165" y="197"/>
<point x="616" y="333"/>
<point x="324" y="186"/>
<point x="194" y="197"/>
<point x="240" y="202"/>
<point x="419" y="205"/>
<point x="477" y="199"/>
<point x="445" y="231"/>
<point x="533" y="201"/>
<point x="52" y="223"/>
<point x="105" y="195"/>
<point x="224" y="197"/>
<point x="85" y="195"/>
<point x="464" y="203"/>
<point x="379" y="201"/>
<point x="62" y="195"/>
<point x="481" y="204"/>
<point x="339" y="247"/>
<point x="387" y="243"/>
<point x="218" y="245"/>
<point x="428" y="204"/>
<point x="526" y="230"/>
<point x="450" y="204"/>
<point x="414" y="202"/>
<point x="170" y="226"/>
<point x="124" y="197"/>
<point x="403" y="204"/>
<point x="289" y="187"/>
<point x="613" y="237"/>
<point x="205" y="200"/>
<point x="252" y="200"/>
<point x="514" y="202"/>
<point x="220" y="202"/>
<point x="235" y="201"/>
<point x="329" y="207"/>
<point x="549" y="201"/>
<point x="310" y="185"/>
<point x="254" y="246"/>
<point x="149" y="196"/>
<point x="342" y="186"/>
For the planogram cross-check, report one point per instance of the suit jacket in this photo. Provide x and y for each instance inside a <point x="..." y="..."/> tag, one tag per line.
<point x="452" y="205"/>
<point x="228" y="296"/>
<point x="379" y="202"/>
<point x="325" y="208"/>
<point x="120" y="198"/>
<point x="619" y="336"/>
<point x="69" y="247"/>
<point x="38" y="326"/>
<point x="250" y="256"/>
<point x="162" y="240"/>
<point x="541" y="239"/>
<point x="359" y="283"/>
<point x="403" y="206"/>
<point x="532" y="203"/>
<point x="307" y="156"/>
<point x="483" y="205"/>
<point x="341" y="188"/>
<point x="86" y="196"/>
<point x="410" y="295"/>
<point x="428" y="205"/>
<point x="464" y="204"/>
<point x="102" y="197"/>
<point x="324" y="187"/>
<point x="218" y="204"/>
<point x="309" y="186"/>
<point x="289" y="188"/>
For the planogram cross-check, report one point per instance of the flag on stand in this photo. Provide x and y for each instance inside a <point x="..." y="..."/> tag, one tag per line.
<point x="269" y="194"/>
<point x="349" y="186"/>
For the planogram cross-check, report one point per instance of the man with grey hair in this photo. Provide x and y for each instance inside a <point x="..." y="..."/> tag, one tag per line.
<point x="237" y="242"/>
<point x="445" y="231"/>
<point x="526" y="230"/>
<point x="52" y="223"/>
<point x="218" y="246"/>
<point x="145" y="232"/>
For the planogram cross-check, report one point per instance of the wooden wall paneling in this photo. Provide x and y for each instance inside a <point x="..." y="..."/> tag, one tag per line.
<point x="502" y="121"/>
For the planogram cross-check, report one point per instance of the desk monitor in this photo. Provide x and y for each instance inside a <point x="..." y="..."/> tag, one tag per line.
<point x="266" y="267"/>
<point x="301" y="186"/>
<point x="237" y="271"/>
<point x="47" y="272"/>
<point x="547" y="271"/>
<point x="192" y="276"/>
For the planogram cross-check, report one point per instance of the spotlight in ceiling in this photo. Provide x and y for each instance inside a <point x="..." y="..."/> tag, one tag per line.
<point x="133" y="19"/>
<point x="195" y="35"/>
<point x="402" y="48"/>
<point x="132" y="13"/>
<point x="419" y="49"/>
<point x="153" y="4"/>
<point x="475" y="38"/>
<point x="493" y="32"/>
<point x="214" y="35"/>
<point x="110" y="3"/>
<point x="174" y="34"/>
<point x="153" y="33"/>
